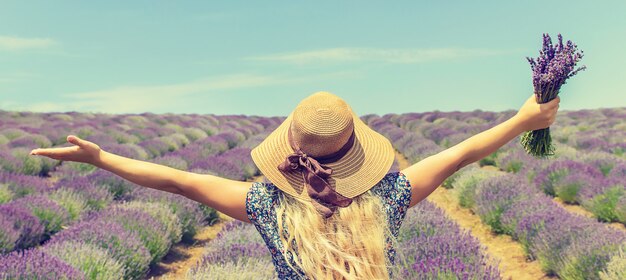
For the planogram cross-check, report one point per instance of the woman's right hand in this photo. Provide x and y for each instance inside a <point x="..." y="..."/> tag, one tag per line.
<point x="82" y="151"/>
<point x="534" y="116"/>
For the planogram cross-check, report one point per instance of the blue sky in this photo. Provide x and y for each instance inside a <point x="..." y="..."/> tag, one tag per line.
<point x="263" y="57"/>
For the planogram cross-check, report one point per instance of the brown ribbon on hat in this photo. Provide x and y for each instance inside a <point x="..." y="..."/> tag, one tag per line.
<point x="315" y="174"/>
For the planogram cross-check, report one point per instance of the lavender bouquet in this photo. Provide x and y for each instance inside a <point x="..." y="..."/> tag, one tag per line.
<point x="551" y="69"/>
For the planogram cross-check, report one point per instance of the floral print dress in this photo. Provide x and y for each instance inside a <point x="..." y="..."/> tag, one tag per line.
<point x="394" y="190"/>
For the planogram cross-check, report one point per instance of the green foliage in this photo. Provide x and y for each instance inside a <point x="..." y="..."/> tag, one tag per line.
<point x="567" y="191"/>
<point x="80" y="167"/>
<point x="489" y="160"/>
<point x="73" y="202"/>
<point x="449" y="182"/>
<point x="95" y="262"/>
<point x="212" y="216"/>
<point x="5" y="193"/>
<point x="616" y="267"/>
<point x="163" y="214"/>
<point x="194" y="133"/>
<point x="465" y="185"/>
<point x="603" y="206"/>
<point x="30" y="165"/>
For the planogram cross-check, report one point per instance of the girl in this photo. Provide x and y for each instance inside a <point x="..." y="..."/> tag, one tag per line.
<point x="332" y="209"/>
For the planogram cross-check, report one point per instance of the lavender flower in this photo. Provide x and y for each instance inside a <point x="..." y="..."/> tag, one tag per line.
<point x="36" y="264"/>
<point x="434" y="247"/>
<point x="50" y="214"/>
<point x="8" y="234"/>
<point x="95" y="197"/>
<point x="117" y="186"/>
<point x="466" y="182"/>
<point x="69" y="199"/>
<point x="162" y="213"/>
<point x="603" y="205"/>
<point x="152" y="232"/>
<point x="18" y="219"/>
<point x="556" y="171"/>
<point x="93" y="261"/>
<point x="188" y="211"/>
<point x="123" y="245"/>
<point x="551" y="69"/>
<point x="237" y="248"/>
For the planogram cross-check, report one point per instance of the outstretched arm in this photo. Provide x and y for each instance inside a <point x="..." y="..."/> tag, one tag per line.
<point x="224" y="195"/>
<point x="428" y="174"/>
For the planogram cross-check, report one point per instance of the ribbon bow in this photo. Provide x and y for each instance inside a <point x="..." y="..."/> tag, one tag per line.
<point x="315" y="175"/>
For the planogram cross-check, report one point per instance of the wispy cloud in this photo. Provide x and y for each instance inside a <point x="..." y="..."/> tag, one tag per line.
<point x="377" y="55"/>
<point x="146" y="98"/>
<point x="17" y="43"/>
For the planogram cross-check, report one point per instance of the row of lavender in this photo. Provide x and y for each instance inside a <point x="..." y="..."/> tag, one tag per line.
<point x="594" y="180"/>
<point x="431" y="247"/>
<point x="69" y="197"/>
<point x="589" y="168"/>
<point x="135" y="234"/>
<point x="567" y="245"/>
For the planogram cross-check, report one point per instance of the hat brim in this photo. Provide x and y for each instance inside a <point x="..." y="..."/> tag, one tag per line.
<point x="363" y="166"/>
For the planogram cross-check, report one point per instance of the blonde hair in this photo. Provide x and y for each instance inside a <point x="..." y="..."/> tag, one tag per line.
<point x="349" y="245"/>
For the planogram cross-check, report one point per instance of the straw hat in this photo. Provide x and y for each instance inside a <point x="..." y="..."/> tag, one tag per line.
<point x="321" y="125"/>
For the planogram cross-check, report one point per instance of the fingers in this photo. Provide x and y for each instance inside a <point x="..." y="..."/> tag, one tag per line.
<point x="75" y="140"/>
<point x="54" y="153"/>
<point x="554" y="103"/>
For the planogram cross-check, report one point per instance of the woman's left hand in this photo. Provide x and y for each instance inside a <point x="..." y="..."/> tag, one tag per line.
<point x="534" y="116"/>
<point x="82" y="151"/>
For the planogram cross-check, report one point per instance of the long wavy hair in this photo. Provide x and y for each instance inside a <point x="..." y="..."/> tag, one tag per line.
<point x="349" y="245"/>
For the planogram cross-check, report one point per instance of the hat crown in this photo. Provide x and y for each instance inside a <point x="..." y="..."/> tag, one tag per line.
<point x="322" y="123"/>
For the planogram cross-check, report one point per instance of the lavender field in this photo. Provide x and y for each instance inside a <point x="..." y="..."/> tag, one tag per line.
<point x="66" y="220"/>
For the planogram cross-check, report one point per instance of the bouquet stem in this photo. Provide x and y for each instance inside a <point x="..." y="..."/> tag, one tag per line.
<point x="538" y="143"/>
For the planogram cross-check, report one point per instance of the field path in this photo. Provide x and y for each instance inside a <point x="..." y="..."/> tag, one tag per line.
<point x="183" y="257"/>
<point x="513" y="262"/>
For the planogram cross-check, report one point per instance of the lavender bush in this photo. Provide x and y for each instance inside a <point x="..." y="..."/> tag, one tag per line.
<point x="160" y="212"/>
<point x="620" y="209"/>
<point x="9" y="234"/>
<point x="72" y="201"/>
<point x="22" y="185"/>
<point x="555" y="172"/>
<point x="188" y="211"/>
<point x="94" y="197"/>
<point x="152" y="232"/>
<point x="551" y="69"/>
<point x="36" y="264"/>
<point x="495" y="195"/>
<point x="18" y="220"/>
<point x="5" y="193"/>
<point x="123" y="245"/>
<point x="434" y="247"/>
<point x="604" y="205"/>
<point x="616" y="268"/>
<point x="50" y="214"/>
<point x="236" y="249"/>
<point x="465" y="184"/>
<point x="117" y="186"/>
<point x="449" y="182"/>
<point x="96" y="263"/>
